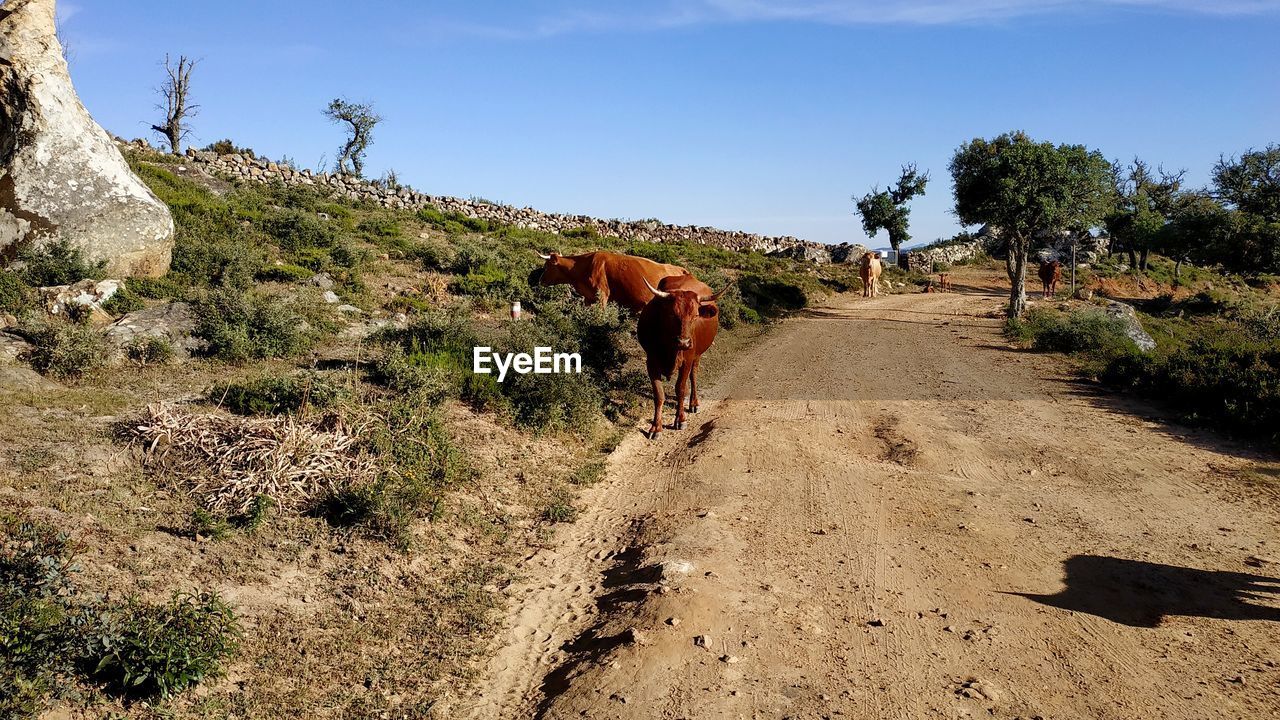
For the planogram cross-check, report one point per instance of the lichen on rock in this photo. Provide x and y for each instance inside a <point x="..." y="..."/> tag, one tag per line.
<point x="61" y="176"/>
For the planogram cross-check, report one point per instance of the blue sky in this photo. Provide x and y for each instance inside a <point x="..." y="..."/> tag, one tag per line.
<point x="762" y="115"/>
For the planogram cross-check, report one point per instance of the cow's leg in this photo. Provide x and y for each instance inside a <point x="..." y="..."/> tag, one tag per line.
<point x="693" y="387"/>
<point x="658" y="399"/>
<point x="682" y="388"/>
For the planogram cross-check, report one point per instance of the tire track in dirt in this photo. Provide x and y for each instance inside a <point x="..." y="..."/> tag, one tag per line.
<point x="917" y="532"/>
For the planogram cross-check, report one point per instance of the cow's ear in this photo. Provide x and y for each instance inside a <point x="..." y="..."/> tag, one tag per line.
<point x="708" y="311"/>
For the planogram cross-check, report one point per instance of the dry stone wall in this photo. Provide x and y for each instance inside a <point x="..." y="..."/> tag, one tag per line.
<point x="405" y="198"/>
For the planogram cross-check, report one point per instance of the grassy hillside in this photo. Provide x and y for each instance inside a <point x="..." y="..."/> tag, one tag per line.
<point x="154" y="539"/>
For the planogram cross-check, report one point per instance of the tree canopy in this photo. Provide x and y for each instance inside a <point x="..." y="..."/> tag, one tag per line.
<point x="360" y="120"/>
<point x="1024" y="187"/>
<point x="1144" y="205"/>
<point x="887" y="209"/>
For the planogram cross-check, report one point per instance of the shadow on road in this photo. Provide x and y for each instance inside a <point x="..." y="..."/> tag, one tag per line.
<point x="1142" y="594"/>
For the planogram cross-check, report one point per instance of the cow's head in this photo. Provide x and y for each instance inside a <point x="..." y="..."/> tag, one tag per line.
<point x="555" y="269"/>
<point x="681" y="309"/>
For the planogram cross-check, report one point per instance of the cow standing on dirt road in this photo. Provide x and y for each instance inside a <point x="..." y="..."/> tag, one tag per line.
<point x="675" y="329"/>
<point x="603" y="276"/>
<point x="869" y="270"/>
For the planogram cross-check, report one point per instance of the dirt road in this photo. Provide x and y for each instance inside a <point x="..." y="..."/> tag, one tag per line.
<point x="888" y="513"/>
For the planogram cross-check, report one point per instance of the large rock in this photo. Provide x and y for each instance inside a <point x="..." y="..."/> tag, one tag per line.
<point x="12" y="348"/>
<point x="61" y="177"/>
<point x="88" y="294"/>
<point x="1133" y="326"/>
<point x="172" y="322"/>
<point x="848" y="252"/>
<point x="807" y="252"/>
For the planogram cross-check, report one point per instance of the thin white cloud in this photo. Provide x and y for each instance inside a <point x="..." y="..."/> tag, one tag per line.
<point x="66" y="11"/>
<point x="937" y="12"/>
<point x="650" y="15"/>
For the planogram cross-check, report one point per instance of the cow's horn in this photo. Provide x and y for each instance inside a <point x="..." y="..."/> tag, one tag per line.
<point x="715" y="297"/>
<point x="654" y="290"/>
<point x="544" y="257"/>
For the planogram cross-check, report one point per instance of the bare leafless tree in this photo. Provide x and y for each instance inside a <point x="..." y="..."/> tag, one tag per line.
<point x="177" y="106"/>
<point x="59" y="29"/>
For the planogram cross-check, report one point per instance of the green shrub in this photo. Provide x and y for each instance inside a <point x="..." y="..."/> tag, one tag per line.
<point x="433" y="355"/>
<point x="57" y="263"/>
<point x="15" y="295"/>
<point x="205" y="524"/>
<point x="275" y="395"/>
<point x="657" y="252"/>
<point x="227" y="147"/>
<point x="149" y="351"/>
<point x="408" y="304"/>
<point x="237" y="327"/>
<point x="285" y="272"/>
<point x="431" y="216"/>
<point x="380" y="227"/>
<point x="52" y="634"/>
<point x="430" y="382"/>
<point x="219" y="261"/>
<point x="148" y="649"/>
<point x="771" y="295"/>
<point x="434" y="255"/>
<point x="296" y="230"/>
<point x="37" y="610"/>
<point x="420" y="464"/>
<point x="158" y="288"/>
<point x="560" y="509"/>
<point x="64" y="349"/>
<point x="1227" y="380"/>
<point x="589" y="474"/>
<point x="1079" y="332"/>
<point x="588" y="234"/>
<point x="122" y="301"/>
<point x="213" y="243"/>
<point x="454" y="223"/>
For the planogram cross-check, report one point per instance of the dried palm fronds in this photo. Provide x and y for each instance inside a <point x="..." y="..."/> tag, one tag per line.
<point x="229" y="461"/>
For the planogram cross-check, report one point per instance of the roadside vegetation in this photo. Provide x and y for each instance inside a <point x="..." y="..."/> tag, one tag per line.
<point x="328" y="428"/>
<point x="1217" y="357"/>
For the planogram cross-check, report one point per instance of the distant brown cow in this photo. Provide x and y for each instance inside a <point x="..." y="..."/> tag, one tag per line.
<point x="603" y="276"/>
<point x="1050" y="275"/>
<point x="944" y="282"/>
<point x="869" y="270"/>
<point x="675" y="329"/>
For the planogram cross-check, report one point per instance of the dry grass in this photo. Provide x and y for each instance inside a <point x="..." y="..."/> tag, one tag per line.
<point x="229" y="461"/>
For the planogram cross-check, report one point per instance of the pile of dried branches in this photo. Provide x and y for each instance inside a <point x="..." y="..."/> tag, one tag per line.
<point x="230" y="461"/>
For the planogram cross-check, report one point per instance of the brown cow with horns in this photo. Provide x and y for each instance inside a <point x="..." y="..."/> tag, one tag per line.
<point x="603" y="276"/>
<point x="674" y="329"/>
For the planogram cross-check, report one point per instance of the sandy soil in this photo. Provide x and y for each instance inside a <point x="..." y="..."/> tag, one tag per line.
<point x="887" y="512"/>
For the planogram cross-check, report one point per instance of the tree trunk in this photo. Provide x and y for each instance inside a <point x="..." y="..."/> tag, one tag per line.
<point x="1177" y="270"/>
<point x="1016" y="264"/>
<point x="1142" y="260"/>
<point x="1133" y="259"/>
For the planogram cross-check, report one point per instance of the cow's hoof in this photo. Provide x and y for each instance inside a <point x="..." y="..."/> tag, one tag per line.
<point x="653" y="433"/>
<point x="679" y="425"/>
<point x="693" y="409"/>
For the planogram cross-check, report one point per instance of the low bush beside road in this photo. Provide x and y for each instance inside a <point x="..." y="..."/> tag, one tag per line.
<point x="1216" y="361"/>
